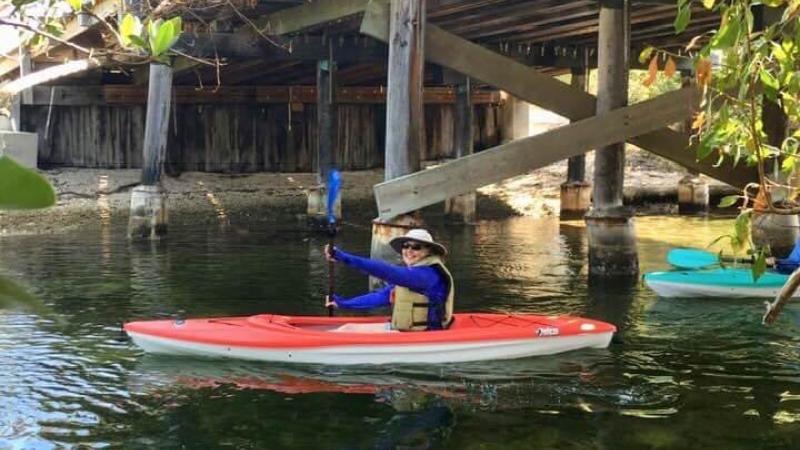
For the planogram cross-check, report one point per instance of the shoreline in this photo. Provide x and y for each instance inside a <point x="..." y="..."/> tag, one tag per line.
<point x="87" y="197"/>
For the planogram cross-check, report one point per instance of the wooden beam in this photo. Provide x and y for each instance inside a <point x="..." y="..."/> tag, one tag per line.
<point x="532" y="86"/>
<point x="294" y="19"/>
<point x="102" y="8"/>
<point x="32" y="79"/>
<point x="483" y="64"/>
<point x="414" y="191"/>
<point x="286" y="21"/>
<point x="137" y="95"/>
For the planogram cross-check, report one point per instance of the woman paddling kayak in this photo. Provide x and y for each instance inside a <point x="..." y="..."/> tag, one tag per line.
<point x="421" y="293"/>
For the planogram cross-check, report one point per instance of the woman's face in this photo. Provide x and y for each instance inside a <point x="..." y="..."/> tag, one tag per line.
<point x="414" y="251"/>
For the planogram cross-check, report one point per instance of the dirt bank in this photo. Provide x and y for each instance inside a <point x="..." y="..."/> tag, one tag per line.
<point x="88" y="197"/>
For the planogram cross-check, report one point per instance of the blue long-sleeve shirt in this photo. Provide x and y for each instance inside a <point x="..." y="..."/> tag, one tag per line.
<point x="425" y="280"/>
<point x="790" y="263"/>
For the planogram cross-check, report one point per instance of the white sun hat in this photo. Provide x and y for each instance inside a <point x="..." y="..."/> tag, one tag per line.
<point x="418" y="235"/>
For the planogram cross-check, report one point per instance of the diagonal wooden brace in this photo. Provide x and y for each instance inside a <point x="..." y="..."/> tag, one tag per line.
<point x="528" y="84"/>
<point x="417" y="190"/>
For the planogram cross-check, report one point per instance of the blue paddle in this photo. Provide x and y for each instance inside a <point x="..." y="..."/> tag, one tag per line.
<point x="690" y="258"/>
<point x="334" y="184"/>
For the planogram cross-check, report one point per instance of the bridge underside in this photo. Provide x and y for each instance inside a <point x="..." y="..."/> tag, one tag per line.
<point x="532" y="38"/>
<point x="644" y="125"/>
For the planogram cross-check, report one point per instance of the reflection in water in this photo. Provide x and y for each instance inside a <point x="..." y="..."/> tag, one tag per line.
<point x="684" y="373"/>
<point x="219" y="208"/>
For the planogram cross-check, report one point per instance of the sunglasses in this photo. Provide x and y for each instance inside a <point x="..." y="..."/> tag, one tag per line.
<point x="413" y="246"/>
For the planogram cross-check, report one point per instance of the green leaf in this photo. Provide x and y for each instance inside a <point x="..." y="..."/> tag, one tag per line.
<point x="707" y="144"/>
<point x="742" y="230"/>
<point x="780" y="52"/>
<point x="644" y="56"/>
<point x="709" y="4"/>
<point x="166" y="36"/>
<point x="22" y="188"/>
<point x="718" y="239"/>
<point x="773" y="3"/>
<point x="76" y="5"/>
<point x="130" y="27"/>
<point x="683" y="18"/>
<point x="727" y="34"/>
<point x="768" y="80"/>
<point x="152" y="31"/>
<point x="788" y="164"/>
<point x="54" y="27"/>
<point x="770" y="84"/>
<point x="728" y="200"/>
<point x="139" y="42"/>
<point x="759" y="264"/>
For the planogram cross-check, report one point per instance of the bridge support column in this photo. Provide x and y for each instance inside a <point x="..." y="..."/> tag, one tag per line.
<point x="576" y="193"/>
<point x="148" y="208"/>
<point x="461" y="208"/>
<point x="317" y="210"/>
<point x="326" y="143"/>
<point x="576" y="198"/>
<point x="516" y="119"/>
<point x="693" y="195"/>
<point x="404" y="111"/>
<point x="612" y="242"/>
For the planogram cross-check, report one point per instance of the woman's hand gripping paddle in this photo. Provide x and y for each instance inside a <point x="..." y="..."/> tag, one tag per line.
<point x="334" y="184"/>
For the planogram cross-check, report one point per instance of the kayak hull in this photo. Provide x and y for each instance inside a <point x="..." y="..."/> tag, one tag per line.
<point x="728" y="283"/>
<point x="318" y="339"/>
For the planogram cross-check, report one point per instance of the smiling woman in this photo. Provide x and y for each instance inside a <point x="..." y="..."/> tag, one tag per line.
<point x="421" y="293"/>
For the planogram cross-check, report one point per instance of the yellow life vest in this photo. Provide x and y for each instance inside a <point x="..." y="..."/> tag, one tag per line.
<point x="410" y="309"/>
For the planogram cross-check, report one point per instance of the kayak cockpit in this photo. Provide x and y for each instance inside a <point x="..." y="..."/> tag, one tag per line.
<point x="323" y="324"/>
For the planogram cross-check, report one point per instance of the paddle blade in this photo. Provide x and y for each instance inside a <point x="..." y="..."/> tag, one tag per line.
<point x="334" y="184"/>
<point x="690" y="258"/>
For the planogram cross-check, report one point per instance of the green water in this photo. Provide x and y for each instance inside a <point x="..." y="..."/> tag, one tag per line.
<point x="688" y="373"/>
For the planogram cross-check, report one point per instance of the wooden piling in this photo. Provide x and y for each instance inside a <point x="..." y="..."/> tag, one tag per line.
<point x="693" y="195"/>
<point x="612" y="245"/>
<point x="404" y="108"/>
<point x="404" y="113"/>
<point x="576" y="193"/>
<point x="148" y="210"/>
<point x="461" y="208"/>
<point x="326" y="142"/>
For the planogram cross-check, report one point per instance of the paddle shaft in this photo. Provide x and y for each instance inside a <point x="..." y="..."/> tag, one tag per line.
<point x="692" y="259"/>
<point x="331" y="275"/>
<point x="744" y="260"/>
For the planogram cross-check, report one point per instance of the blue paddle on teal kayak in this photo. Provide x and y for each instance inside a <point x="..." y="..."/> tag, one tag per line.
<point x="334" y="184"/>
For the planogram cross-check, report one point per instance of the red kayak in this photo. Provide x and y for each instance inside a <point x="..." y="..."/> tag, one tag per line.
<point x="368" y="340"/>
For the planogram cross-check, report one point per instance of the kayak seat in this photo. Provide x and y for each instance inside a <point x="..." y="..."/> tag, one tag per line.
<point x="381" y="327"/>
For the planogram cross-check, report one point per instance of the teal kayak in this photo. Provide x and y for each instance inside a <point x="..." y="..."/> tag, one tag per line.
<point x="719" y="282"/>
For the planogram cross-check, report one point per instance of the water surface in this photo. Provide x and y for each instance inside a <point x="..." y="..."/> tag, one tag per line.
<point x="681" y="373"/>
